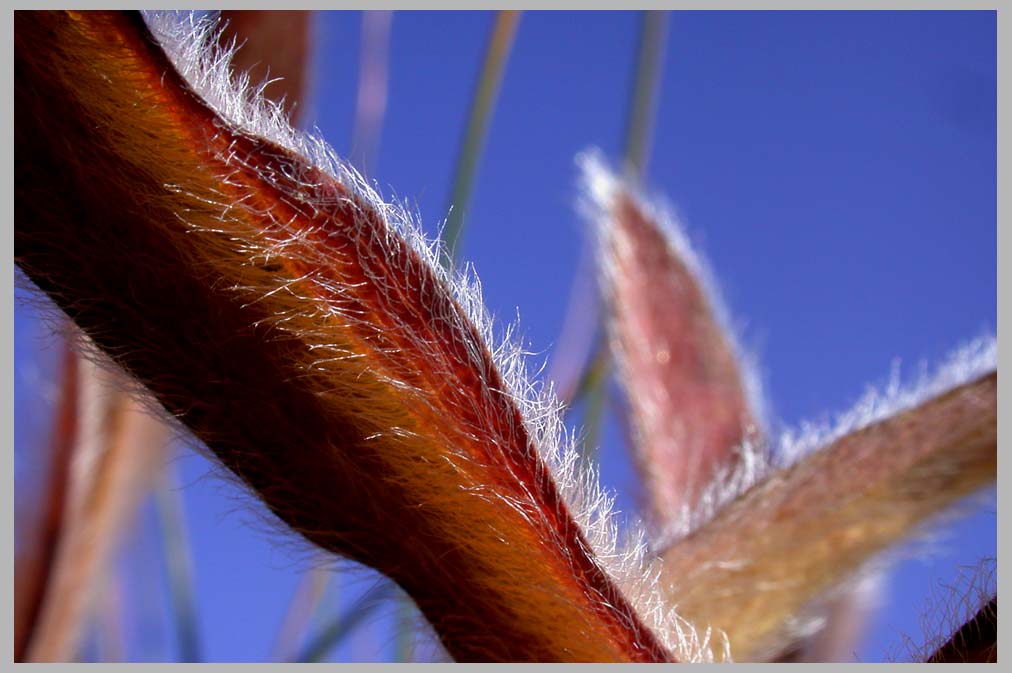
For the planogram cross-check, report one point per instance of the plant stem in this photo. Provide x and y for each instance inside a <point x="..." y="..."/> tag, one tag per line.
<point x="336" y="631"/>
<point x="643" y="106"/>
<point x="482" y="105"/>
<point x="373" y="82"/>
<point x="639" y="127"/>
<point x="301" y="609"/>
<point x="178" y="564"/>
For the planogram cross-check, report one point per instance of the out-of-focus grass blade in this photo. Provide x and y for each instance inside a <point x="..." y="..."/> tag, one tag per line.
<point x="333" y="633"/>
<point x="639" y="128"/>
<point x="405" y="641"/>
<point x="596" y="389"/>
<point x="178" y="565"/>
<point x="304" y="603"/>
<point x="33" y="564"/>
<point x="117" y="448"/>
<point x="371" y="102"/>
<point x="477" y="124"/>
<point x="577" y="338"/>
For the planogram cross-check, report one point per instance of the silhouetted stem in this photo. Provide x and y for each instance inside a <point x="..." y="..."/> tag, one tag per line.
<point x="976" y="641"/>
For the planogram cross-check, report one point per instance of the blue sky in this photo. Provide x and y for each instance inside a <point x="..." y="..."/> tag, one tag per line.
<point x="836" y="168"/>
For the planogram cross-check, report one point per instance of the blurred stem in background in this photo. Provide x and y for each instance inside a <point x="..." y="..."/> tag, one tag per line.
<point x="176" y="549"/>
<point x="482" y="105"/>
<point x="373" y="83"/>
<point x="643" y="106"/>
<point x="111" y="644"/>
<point x="336" y="631"/>
<point x="40" y="530"/>
<point x="592" y="382"/>
<point x="578" y="334"/>
<point x="303" y="606"/>
<point x="105" y="449"/>
<point x="405" y="616"/>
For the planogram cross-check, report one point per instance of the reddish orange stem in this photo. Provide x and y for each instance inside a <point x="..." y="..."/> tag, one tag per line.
<point x="280" y="317"/>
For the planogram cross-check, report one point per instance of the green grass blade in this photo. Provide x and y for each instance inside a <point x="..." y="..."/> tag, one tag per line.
<point x="639" y="128"/>
<point x="477" y="124"/>
<point x="332" y="634"/>
<point x="643" y="106"/>
<point x="178" y="563"/>
<point x="301" y="608"/>
<point x="405" y="641"/>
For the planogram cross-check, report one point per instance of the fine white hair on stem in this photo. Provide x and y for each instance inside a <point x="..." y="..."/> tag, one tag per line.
<point x="951" y="605"/>
<point x="968" y="362"/>
<point x="620" y="547"/>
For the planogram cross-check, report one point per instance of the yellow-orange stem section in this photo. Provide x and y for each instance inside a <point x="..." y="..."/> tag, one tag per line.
<point x="812" y="525"/>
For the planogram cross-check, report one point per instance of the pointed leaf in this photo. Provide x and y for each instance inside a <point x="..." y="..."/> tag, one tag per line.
<point x="687" y="396"/>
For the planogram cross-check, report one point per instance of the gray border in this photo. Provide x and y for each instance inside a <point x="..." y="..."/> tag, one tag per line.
<point x="1004" y="27"/>
<point x="7" y="297"/>
<point x="547" y="5"/>
<point x="1004" y="280"/>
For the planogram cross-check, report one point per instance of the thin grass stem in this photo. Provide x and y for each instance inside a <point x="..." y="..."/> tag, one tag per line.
<point x="482" y="106"/>
<point x="336" y="631"/>
<point x="178" y="564"/>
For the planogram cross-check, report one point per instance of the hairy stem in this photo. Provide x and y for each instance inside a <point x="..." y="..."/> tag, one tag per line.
<point x="271" y="306"/>
<point x="809" y="527"/>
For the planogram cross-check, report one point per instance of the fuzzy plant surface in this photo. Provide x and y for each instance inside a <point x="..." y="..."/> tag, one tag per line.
<point x="346" y="370"/>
